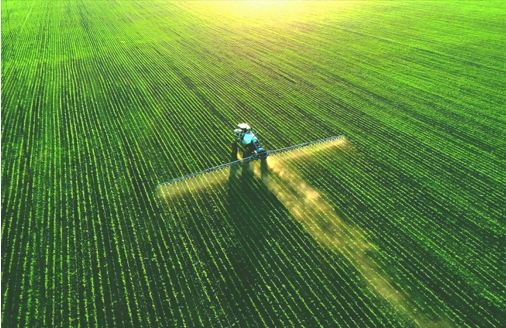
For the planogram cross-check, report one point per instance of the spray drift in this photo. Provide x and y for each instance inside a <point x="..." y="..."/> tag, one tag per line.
<point x="306" y="205"/>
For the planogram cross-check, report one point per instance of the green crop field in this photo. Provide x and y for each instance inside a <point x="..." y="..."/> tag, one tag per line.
<point x="401" y="223"/>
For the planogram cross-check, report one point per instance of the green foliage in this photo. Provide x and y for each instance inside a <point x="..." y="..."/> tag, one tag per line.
<point x="103" y="100"/>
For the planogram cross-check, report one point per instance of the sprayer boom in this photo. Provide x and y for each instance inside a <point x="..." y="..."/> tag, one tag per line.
<point x="250" y="158"/>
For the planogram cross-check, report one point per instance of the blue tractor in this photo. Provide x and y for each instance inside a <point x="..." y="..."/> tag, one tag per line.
<point x="245" y="136"/>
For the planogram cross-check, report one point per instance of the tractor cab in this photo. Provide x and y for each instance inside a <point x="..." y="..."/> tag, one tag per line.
<point x="245" y="136"/>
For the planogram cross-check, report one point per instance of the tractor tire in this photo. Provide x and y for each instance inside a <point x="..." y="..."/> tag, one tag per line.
<point x="249" y="150"/>
<point x="234" y="151"/>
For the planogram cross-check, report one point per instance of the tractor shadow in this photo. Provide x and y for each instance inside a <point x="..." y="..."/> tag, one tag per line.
<point x="252" y="210"/>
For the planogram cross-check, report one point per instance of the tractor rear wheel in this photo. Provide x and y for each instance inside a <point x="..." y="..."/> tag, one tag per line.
<point x="249" y="150"/>
<point x="234" y="151"/>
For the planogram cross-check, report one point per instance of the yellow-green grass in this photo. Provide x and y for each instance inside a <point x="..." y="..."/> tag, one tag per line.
<point x="403" y="227"/>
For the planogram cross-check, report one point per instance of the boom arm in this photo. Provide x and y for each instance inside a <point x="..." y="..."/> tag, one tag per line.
<point x="259" y="155"/>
